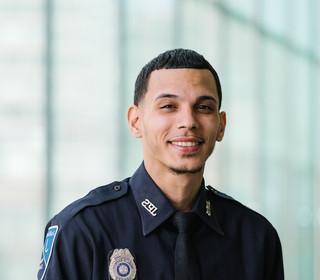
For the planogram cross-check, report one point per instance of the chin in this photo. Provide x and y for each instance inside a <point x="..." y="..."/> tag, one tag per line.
<point x="180" y="170"/>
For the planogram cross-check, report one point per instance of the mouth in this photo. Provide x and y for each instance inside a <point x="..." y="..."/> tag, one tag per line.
<point x="187" y="145"/>
<point x="184" y="144"/>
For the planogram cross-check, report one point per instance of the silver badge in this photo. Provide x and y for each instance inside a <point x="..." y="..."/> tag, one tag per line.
<point x="122" y="266"/>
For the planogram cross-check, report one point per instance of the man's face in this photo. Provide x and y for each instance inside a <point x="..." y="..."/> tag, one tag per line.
<point x="178" y="120"/>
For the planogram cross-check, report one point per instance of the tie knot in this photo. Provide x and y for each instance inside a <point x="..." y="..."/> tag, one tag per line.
<point x="184" y="222"/>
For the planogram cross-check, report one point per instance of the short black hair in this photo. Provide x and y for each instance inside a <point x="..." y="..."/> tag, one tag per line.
<point x="173" y="59"/>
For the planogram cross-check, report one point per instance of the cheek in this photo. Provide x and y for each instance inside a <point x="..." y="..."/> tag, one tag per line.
<point x="153" y="135"/>
<point x="212" y="131"/>
<point x="156" y="126"/>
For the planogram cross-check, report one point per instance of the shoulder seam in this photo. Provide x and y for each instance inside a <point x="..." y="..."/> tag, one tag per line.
<point x="231" y="199"/>
<point x="95" y="197"/>
<point x="218" y="193"/>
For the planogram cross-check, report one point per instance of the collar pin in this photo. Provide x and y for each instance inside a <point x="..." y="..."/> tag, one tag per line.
<point x="208" y="208"/>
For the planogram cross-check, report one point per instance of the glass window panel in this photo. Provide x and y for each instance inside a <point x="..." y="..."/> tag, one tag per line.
<point x="21" y="138"/>
<point x="84" y="97"/>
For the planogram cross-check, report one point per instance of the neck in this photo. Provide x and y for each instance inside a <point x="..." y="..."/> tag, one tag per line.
<point x="180" y="189"/>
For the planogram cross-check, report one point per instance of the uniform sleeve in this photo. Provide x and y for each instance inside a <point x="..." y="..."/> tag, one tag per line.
<point x="274" y="259"/>
<point x="67" y="253"/>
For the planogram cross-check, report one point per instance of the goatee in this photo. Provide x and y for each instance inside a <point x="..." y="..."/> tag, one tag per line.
<point x="182" y="171"/>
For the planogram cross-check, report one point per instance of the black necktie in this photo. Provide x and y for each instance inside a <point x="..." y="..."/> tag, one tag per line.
<point x="186" y="264"/>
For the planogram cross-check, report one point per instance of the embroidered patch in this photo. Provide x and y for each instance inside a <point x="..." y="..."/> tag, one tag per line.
<point x="150" y="207"/>
<point x="121" y="265"/>
<point x="47" y="250"/>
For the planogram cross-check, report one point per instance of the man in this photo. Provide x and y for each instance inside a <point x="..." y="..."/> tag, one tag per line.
<point x="164" y="222"/>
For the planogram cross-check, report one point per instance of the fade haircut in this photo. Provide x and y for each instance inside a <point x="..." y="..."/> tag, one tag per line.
<point x="173" y="59"/>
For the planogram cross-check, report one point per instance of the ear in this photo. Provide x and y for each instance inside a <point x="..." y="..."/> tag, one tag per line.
<point x="134" y="120"/>
<point x="222" y="126"/>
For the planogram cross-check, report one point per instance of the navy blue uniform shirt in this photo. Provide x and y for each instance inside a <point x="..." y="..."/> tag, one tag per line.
<point x="81" y="242"/>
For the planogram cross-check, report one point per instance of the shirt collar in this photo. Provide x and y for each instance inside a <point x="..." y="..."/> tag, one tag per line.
<point x="154" y="207"/>
<point x="204" y="207"/>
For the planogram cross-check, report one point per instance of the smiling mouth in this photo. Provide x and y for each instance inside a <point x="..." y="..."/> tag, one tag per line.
<point x="185" y="143"/>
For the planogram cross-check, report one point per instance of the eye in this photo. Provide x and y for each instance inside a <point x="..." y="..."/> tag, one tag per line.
<point x="167" y="106"/>
<point x="204" y="108"/>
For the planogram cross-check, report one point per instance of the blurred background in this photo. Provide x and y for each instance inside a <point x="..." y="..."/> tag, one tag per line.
<point x="67" y="69"/>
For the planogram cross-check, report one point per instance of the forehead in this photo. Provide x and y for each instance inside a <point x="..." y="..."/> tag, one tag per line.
<point x="180" y="81"/>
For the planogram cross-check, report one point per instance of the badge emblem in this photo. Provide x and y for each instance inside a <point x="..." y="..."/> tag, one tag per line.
<point x="121" y="265"/>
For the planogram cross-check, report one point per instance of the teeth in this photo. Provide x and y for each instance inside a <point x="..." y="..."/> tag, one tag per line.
<point x="185" y="144"/>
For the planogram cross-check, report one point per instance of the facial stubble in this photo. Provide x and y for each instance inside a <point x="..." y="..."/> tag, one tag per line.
<point x="183" y="171"/>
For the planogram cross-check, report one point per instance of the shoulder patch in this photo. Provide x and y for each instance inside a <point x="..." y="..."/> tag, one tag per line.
<point x="47" y="250"/>
<point x="216" y="192"/>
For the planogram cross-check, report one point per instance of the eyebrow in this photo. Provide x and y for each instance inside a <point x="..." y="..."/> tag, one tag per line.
<point x="199" y="98"/>
<point x="206" y="97"/>
<point x="165" y="95"/>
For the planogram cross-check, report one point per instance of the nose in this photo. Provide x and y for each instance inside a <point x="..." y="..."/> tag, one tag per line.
<point x="187" y="119"/>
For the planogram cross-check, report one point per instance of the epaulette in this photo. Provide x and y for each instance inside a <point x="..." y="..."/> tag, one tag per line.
<point x="221" y="194"/>
<point x="95" y="197"/>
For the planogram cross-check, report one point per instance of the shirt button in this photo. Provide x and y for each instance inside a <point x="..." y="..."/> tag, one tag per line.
<point x="117" y="188"/>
